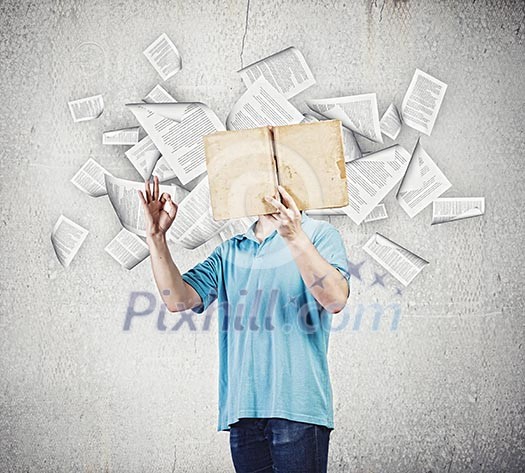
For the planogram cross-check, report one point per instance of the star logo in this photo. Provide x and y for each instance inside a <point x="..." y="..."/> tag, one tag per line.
<point x="354" y="269"/>
<point x="318" y="281"/>
<point x="292" y="300"/>
<point x="378" y="279"/>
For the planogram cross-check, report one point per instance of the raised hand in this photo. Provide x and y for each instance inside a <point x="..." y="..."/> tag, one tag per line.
<point x="287" y="219"/>
<point x="159" y="210"/>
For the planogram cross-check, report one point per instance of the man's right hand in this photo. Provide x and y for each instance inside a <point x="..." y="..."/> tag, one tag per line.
<point x="159" y="210"/>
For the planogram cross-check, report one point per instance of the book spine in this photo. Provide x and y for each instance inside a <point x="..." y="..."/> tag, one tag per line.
<point x="274" y="157"/>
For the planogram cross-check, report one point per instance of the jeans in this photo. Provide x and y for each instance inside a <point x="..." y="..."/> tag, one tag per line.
<point x="278" y="445"/>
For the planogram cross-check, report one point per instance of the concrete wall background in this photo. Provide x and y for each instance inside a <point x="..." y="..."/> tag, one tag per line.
<point x="444" y="392"/>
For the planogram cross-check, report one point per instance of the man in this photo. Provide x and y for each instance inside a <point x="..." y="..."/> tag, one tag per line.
<point x="277" y="286"/>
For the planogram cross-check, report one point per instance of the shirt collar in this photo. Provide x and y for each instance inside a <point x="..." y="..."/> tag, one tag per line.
<point x="250" y="232"/>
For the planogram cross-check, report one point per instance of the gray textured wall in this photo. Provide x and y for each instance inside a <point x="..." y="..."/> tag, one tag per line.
<point x="443" y="392"/>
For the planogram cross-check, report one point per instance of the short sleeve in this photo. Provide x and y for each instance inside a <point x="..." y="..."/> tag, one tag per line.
<point x="204" y="277"/>
<point x="331" y="247"/>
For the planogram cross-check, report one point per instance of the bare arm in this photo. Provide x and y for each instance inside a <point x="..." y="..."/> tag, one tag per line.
<point x="325" y="282"/>
<point x="160" y="212"/>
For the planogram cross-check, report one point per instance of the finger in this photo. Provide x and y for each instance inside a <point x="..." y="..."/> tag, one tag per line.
<point x="143" y="200"/>
<point x="164" y="197"/>
<point x="275" y="203"/>
<point x="172" y="211"/>
<point x="288" y="199"/>
<point x="284" y="212"/>
<point x="277" y="220"/>
<point x="155" y="188"/>
<point x="148" y="191"/>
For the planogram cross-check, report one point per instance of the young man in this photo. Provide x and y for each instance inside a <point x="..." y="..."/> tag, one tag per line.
<point x="277" y="286"/>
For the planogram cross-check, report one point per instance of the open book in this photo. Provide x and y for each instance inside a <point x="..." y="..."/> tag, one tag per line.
<point x="244" y="166"/>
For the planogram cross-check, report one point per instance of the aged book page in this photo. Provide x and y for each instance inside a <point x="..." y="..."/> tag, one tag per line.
<point x="241" y="171"/>
<point x="311" y="163"/>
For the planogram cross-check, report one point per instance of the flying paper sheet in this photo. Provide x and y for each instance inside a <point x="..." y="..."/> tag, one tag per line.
<point x="398" y="261"/>
<point x="194" y="223"/>
<point x="456" y="208"/>
<point x="158" y="95"/>
<point x="423" y="182"/>
<point x="87" y="108"/>
<point x="126" y="202"/>
<point x="262" y="105"/>
<point x="337" y="211"/>
<point x="90" y="178"/>
<point x="391" y="122"/>
<point x="144" y="156"/>
<point x="164" y="56"/>
<point x="422" y="102"/>
<point x="124" y="136"/>
<point x="67" y="238"/>
<point x="286" y="70"/>
<point x="357" y="112"/>
<point x="127" y="249"/>
<point x="378" y="213"/>
<point x="163" y="170"/>
<point x="352" y="149"/>
<point x="177" y="130"/>
<point x="371" y="178"/>
<point x="309" y="118"/>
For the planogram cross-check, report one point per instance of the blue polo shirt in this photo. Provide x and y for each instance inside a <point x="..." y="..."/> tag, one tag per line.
<point x="273" y="334"/>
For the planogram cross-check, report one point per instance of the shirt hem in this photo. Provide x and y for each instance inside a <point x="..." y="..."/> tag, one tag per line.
<point x="327" y="422"/>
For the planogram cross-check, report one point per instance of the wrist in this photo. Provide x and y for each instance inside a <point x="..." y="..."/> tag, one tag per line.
<point x="298" y="240"/>
<point x="157" y="238"/>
